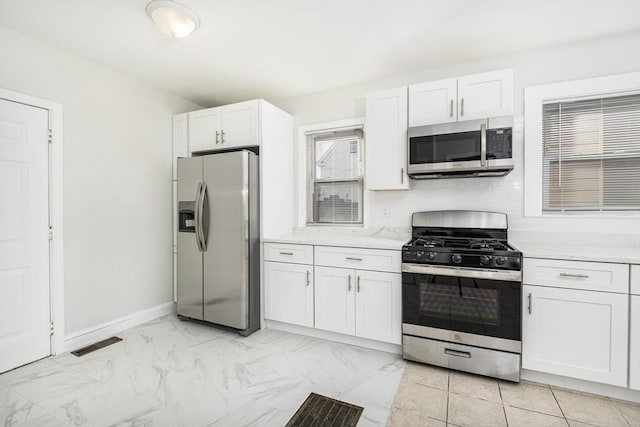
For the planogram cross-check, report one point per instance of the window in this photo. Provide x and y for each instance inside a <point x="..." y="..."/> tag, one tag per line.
<point x="582" y="147"/>
<point x="335" y="176"/>
<point x="591" y="154"/>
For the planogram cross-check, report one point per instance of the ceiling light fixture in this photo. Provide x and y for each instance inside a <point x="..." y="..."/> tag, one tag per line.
<point x="172" y="18"/>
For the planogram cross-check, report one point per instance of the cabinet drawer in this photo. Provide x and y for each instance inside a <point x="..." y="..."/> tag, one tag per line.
<point x="591" y="276"/>
<point x="286" y="252"/>
<point x="635" y="279"/>
<point x="362" y="259"/>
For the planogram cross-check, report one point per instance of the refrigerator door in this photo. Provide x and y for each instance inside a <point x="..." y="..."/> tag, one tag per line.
<point x="189" y="249"/>
<point x="226" y="260"/>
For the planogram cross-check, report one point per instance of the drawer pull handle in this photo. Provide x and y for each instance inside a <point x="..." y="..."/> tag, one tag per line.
<point x="350" y="258"/>
<point x="286" y="253"/>
<point x="577" y="276"/>
<point x="529" y="307"/>
<point x="457" y="353"/>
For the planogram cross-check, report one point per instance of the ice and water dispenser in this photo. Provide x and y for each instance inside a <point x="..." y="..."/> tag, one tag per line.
<point x="187" y="217"/>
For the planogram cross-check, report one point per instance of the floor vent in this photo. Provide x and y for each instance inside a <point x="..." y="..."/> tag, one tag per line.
<point x="97" y="346"/>
<point x="322" y="411"/>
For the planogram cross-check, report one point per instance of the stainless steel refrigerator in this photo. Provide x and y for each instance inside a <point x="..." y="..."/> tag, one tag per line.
<point x="218" y="240"/>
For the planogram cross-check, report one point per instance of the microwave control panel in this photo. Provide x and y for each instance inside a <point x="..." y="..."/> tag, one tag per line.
<point x="499" y="143"/>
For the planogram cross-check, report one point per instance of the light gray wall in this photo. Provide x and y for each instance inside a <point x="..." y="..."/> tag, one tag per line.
<point x="578" y="60"/>
<point x="117" y="179"/>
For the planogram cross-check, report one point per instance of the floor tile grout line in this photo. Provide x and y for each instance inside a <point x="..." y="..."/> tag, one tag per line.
<point x="618" y="410"/>
<point x="504" y="409"/>
<point x="446" y="418"/>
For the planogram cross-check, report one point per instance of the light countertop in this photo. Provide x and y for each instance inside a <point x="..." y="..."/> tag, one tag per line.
<point x="619" y="248"/>
<point x="373" y="238"/>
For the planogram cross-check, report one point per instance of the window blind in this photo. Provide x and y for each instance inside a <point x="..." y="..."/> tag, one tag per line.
<point x="591" y="154"/>
<point x="336" y="177"/>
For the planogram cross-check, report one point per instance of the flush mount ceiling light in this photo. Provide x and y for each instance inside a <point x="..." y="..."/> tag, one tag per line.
<point x="172" y="18"/>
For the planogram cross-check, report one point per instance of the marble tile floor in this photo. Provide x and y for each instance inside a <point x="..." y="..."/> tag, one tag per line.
<point x="173" y="373"/>
<point x="431" y="396"/>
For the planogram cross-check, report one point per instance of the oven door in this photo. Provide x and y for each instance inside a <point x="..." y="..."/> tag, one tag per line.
<point x="449" y="303"/>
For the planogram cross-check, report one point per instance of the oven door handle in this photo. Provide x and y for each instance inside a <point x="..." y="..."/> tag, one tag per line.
<point x="502" y="275"/>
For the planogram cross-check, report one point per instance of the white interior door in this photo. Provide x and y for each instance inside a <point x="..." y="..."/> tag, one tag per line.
<point x="24" y="235"/>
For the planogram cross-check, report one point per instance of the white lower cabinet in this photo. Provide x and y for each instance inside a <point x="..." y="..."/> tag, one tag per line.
<point x="379" y="306"/>
<point x="366" y="304"/>
<point x="576" y="333"/>
<point x="634" y="354"/>
<point x="289" y="293"/>
<point x="335" y="300"/>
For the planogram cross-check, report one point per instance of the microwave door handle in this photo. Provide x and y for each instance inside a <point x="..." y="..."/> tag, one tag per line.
<point x="483" y="145"/>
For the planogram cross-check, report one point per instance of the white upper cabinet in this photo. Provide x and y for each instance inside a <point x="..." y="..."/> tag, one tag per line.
<point x="477" y="96"/>
<point x="485" y="95"/>
<point x="386" y="140"/>
<point x="239" y="125"/>
<point x="433" y="102"/>
<point x="219" y="128"/>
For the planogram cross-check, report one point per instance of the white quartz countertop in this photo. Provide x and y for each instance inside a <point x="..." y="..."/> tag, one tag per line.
<point x="619" y="248"/>
<point x="378" y="238"/>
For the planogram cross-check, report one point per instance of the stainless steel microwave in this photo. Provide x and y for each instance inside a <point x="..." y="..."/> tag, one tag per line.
<point x="462" y="149"/>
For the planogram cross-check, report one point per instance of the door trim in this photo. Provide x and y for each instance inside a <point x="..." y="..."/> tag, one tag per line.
<point x="56" y="248"/>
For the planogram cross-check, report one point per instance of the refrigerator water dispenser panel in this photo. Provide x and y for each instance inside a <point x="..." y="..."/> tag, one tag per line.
<point x="186" y="217"/>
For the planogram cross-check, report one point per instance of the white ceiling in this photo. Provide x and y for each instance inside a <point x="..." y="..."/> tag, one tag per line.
<point x="281" y="48"/>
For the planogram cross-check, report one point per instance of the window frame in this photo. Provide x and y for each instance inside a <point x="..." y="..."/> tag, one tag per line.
<point x="534" y="98"/>
<point x="302" y="178"/>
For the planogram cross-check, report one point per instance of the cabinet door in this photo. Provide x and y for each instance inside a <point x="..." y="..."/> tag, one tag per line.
<point x="485" y="95"/>
<point x="335" y="300"/>
<point x="386" y="140"/>
<point x="204" y="129"/>
<point x="634" y="354"/>
<point x="288" y="293"/>
<point x="578" y="334"/>
<point x="378" y="306"/>
<point x="433" y="102"/>
<point x="239" y="125"/>
<point x="180" y="140"/>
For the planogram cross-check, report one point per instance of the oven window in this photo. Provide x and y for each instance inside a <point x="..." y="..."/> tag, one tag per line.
<point x="476" y="306"/>
<point x="465" y="304"/>
<point x="454" y="147"/>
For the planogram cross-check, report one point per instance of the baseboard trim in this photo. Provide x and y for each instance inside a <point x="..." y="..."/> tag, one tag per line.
<point x="99" y="332"/>
<point x="333" y="336"/>
<point x="581" y="385"/>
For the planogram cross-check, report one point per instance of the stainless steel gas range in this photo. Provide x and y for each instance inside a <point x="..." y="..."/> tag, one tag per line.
<point x="462" y="293"/>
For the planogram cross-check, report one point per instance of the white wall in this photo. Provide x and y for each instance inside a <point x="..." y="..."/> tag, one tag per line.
<point x="591" y="58"/>
<point x="117" y="179"/>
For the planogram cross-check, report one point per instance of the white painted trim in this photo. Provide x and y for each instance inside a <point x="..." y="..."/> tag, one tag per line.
<point x="534" y="97"/>
<point x="56" y="255"/>
<point x="301" y="171"/>
<point x="581" y="385"/>
<point x="105" y="330"/>
<point x="333" y="336"/>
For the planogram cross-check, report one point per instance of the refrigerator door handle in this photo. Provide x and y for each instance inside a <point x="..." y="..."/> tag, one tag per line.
<point x="197" y="217"/>
<point x="204" y="217"/>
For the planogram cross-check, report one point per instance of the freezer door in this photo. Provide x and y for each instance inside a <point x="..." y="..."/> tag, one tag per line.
<point x="226" y="273"/>
<point x="189" y="254"/>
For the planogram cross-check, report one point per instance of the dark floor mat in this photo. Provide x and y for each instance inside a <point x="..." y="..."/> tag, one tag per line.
<point x="97" y="346"/>
<point x="321" y="411"/>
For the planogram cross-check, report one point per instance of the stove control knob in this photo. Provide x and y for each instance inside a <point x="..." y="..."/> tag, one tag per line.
<point x="419" y="255"/>
<point x="456" y="258"/>
<point x="485" y="259"/>
<point x="500" y="260"/>
<point x="431" y="256"/>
